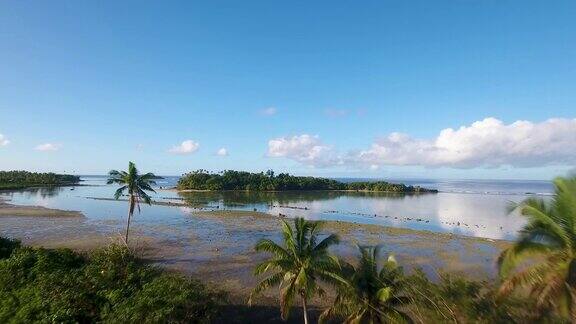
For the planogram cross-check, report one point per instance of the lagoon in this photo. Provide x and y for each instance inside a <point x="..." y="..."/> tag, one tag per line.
<point x="476" y="208"/>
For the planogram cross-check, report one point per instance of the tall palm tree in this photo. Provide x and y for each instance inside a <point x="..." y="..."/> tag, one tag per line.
<point x="297" y="264"/>
<point x="370" y="295"/>
<point x="136" y="185"/>
<point x="543" y="258"/>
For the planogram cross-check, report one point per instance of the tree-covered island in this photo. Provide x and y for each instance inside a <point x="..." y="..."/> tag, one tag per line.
<point x="268" y="181"/>
<point x="25" y="179"/>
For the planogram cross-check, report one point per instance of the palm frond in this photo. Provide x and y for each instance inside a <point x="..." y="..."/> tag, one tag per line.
<point x="281" y="264"/>
<point x="332" y="239"/>
<point x="287" y="295"/>
<point x="119" y="192"/>
<point x="550" y="236"/>
<point x="529" y="277"/>
<point x="538" y="218"/>
<point x="518" y="252"/>
<point x="267" y="245"/>
<point x="271" y="281"/>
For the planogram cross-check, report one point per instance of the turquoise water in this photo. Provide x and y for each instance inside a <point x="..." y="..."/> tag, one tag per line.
<point x="473" y="208"/>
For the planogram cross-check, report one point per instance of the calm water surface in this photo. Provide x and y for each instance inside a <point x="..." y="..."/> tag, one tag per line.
<point x="468" y="207"/>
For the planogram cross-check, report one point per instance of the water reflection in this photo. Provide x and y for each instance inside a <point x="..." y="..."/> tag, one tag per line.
<point x="244" y="198"/>
<point x="42" y="192"/>
<point x="474" y="214"/>
<point x="478" y="215"/>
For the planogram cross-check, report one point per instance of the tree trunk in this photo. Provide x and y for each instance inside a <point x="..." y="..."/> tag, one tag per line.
<point x="132" y="203"/>
<point x="304" y="309"/>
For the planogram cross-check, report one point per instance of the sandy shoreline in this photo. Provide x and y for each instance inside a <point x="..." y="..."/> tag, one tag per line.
<point x="7" y="209"/>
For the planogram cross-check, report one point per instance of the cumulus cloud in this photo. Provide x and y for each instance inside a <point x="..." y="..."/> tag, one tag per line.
<point x="306" y="149"/>
<point x="48" y="147"/>
<point x="269" y="111"/>
<point x="222" y="152"/>
<point x="3" y="140"/>
<point x="485" y="143"/>
<point x="186" y="147"/>
<point x="488" y="143"/>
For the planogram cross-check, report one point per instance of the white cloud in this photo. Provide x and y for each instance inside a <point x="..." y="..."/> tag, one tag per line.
<point x="186" y="147"/>
<point x="306" y="149"/>
<point x="222" y="152"/>
<point x="269" y="111"/>
<point x="486" y="143"/>
<point x="3" y="140"/>
<point x="48" y="147"/>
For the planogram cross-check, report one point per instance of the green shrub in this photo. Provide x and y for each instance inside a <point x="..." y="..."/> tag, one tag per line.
<point x="457" y="299"/>
<point x="7" y="246"/>
<point x="109" y="285"/>
<point x="169" y="299"/>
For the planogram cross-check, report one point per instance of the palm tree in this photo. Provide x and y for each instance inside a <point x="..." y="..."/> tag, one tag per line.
<point x="136" y="184"/>
<point x="543" y="258"/>
<point x="297" y="264"/>
<point x="370" y="295"/>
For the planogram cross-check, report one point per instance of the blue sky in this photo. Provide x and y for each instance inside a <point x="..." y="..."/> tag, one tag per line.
<point x="309" y="87"/>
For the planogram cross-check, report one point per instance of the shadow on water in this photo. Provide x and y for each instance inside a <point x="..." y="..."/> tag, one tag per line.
<point x="43" y="192"/>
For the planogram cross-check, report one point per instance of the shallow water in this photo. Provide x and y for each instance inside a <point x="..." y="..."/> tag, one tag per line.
<point x="473" y="208"/>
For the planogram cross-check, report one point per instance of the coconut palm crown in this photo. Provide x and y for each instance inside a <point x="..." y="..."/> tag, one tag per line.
<point x="370" y="295"/>
<point x="297" y="264"/>
<point x="136" y="185"/>
<point x="543" y="259"/>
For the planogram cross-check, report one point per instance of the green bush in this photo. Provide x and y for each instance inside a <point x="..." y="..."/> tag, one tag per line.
<point x="7" y="246"/>
<point x="459" y="300"/>
<point x="109" y="285"/>
<point x="168" y="299"/>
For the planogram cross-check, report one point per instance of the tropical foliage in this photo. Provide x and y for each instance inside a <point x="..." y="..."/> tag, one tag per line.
<point x="298" y="264"/>
<point x="240" y="180"/>
<point x="370" y="294"/>
<point x="109" y="285"/>
<point x="453" y="298"/>
<point x="136" y="185"/>
<point x="23" y="179"/>
<point x="543" y="259"/>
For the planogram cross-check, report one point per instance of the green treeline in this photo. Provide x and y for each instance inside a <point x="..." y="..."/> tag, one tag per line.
<point x="241" y="180"/>
<point x="23" y="179"/>
<point x="108" y="285"/>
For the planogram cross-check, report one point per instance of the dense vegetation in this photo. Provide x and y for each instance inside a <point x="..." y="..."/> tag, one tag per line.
<point x="107" y="286"/>
<point x="111" y="285"/>
<point x="371" y="291"/>
<point x="241" y="180"/>
<point x="24" y="179"/>
<point x="543" y="259"/>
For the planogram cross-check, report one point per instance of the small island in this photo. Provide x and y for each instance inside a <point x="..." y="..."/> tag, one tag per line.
<point x="268" y="181"/>
<point x="25" y="179"/>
